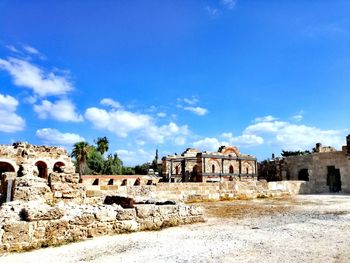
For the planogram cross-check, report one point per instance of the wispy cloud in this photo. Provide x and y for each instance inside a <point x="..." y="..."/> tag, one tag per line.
<point x="55" y="137"/>
<point x="110" y="102"/>
<point x="197" y="110"/>
<point x="31" y="50"/>
<point x="229" y="4"/>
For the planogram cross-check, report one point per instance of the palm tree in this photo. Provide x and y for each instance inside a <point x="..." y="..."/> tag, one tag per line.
<point x="102" y="144"/>
<point x="80" y="153"/>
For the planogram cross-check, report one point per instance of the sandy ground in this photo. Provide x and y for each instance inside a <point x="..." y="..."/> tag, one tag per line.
<point x="306" y="228"/>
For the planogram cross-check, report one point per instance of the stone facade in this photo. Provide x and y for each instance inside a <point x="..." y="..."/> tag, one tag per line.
<point x="325" y="170"/>
<point x="195" y="166"/>
<point x="30" y="172"/>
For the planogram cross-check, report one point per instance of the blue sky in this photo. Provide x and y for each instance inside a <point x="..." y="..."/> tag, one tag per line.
<point x="261" y="75"/>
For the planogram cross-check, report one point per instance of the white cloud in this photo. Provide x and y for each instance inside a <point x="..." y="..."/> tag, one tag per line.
<point x="61" y="110"/>
<point x="161" y="114"/>
<point x="31" y="50"/>
<point x="12" y="48"/>
<point x="213" y="11"/>
<point x="192" y="101"/>
<point x="9" y="120"/>
<point x="207" y="144"/>
<point x="265" y="118"/>
<point x="243" y="140"/>
<point x="30" y="76"/>
<point x="229" y="4"/>
<point x="197" y="110"/>
<point x="213" y="144"/>
<point x="110" y="102"/>
<point x="55" y="137"/>
<point x="290" y="136"/>
<point x="122" y="123"/>
<point x="298" y="117"/>
<point x="135" y="157"/>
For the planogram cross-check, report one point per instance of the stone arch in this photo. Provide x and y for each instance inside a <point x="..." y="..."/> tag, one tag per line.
<point x="9" y="163"/>
<point x="42" y="169"/>
<point x="58" y="167"/>
<point x="6" y="167"/>
<point x="229" y="150"/>
<point x="247" y="168"/>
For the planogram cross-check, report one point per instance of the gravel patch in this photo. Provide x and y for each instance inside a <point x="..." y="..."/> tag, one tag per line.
<point x="308" y="228"/>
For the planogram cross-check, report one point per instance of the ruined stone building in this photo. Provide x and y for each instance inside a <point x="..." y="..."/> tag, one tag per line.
<point x="195" y="166"/>
<point x="326" y="169"/>
<point x="22" y="164"/>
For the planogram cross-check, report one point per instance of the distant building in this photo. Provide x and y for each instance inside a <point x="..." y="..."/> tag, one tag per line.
<point x="196" y="166"/>
<point x="325" y="169"/>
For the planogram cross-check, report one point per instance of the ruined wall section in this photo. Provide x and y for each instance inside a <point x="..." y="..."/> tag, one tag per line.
<point x="317" y="165"/>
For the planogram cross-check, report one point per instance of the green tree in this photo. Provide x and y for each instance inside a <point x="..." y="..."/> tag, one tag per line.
<point x="95" y="161"/>
<point x="102" y="144"/>
<point x="80" y="153"/>
<point x="142" y="169"/>
<point x="113" y="165"/>
<point x="294" y="153"/>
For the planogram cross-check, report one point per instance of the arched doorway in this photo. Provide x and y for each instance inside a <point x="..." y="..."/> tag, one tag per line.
<point x="303" y="175"/>
<point x="231" y="169"/>
<point x="58" y="167"/>
<point x="42" y="168"/>
<point x="194" y="175"/>
<point x="4" y="168"/>
<point x="177" y="170"/>
<point x="213" y="168"/>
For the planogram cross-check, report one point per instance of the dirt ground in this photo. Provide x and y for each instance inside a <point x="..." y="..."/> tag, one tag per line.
<point x="308" y="228"/>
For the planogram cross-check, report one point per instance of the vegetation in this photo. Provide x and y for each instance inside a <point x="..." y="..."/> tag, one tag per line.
<point x="294" y="153"/>
<point x="80" y="153"/>
<point x="92" y="159"/>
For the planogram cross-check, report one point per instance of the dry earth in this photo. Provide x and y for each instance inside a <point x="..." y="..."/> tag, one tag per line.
<point x="309" y="228"/>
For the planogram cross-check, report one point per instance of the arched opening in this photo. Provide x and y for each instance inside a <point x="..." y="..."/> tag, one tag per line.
<point x="177" y="170"/>
<point x="194" y="175"/>
<point x="58" y="167"/>
<point x="149" y="182"/>
<point x="96" y="182"/>
<point x="247" y="170"/>
<point x="213" y="169"/>
<point x="4" y="185"/>
<point x="42" y="168"/>
<point x="124" y="182"/>
<point x="231" y="169"/>
<point x="110" y="182"/>
<point x="6" y="167"/>
<point x="303" y="175"/>
<point x="137" y="181"/>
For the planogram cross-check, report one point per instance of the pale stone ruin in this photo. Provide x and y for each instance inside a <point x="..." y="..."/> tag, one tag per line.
<point x="227" y="164"/>
<point x="44" y="204"/>
<point x="324" y="170"/>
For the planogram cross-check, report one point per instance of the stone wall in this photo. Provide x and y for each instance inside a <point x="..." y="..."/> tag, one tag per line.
<point x="205" y="191"/>
<point x="34" y="224"/>
<point x="317" y="165"/>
